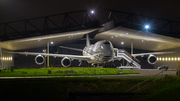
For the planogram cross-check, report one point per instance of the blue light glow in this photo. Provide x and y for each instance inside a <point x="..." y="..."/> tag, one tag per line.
<point x="147" y="26"/>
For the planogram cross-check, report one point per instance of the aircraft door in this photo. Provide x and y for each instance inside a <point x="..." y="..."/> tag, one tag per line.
<point x="115" y="51"/>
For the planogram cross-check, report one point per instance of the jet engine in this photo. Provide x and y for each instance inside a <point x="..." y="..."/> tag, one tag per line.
<point x="66" y="62"/>
<point x="39" y="59"/>
<point x="152" y="59"/>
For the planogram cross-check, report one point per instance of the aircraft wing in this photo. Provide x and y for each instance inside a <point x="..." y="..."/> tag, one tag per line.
<point x="78" y="57"/>
<point x="154" y="53"/>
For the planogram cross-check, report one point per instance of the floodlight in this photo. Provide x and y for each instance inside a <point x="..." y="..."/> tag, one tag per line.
<point x="147" y="26"/>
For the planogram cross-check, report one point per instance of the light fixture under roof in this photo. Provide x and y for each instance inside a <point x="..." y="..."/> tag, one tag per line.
<point x="40" y="39"/>
<point x="51" y="42"/>
<point x="122" y="43"/>
<point x="147" y="26"/>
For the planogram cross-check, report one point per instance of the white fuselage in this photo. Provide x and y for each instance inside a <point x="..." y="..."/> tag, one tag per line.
<point x="100" y="52"/>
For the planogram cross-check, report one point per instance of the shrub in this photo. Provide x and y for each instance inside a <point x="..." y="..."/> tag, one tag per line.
<point x="68" y="71"/>
<point x="59" y="71"/>
<point x="24" y="72"/>
<point x="12" y="68"/>
<point x="49" y="71"/>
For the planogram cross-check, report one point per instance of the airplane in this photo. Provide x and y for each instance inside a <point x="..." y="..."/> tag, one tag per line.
<point x="102" y="52"/>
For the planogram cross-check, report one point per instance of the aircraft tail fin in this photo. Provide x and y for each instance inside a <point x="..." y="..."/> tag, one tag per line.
<point x="87" y="40"/>
<point x="71" y="48"/>
<point x="89" y="36"/>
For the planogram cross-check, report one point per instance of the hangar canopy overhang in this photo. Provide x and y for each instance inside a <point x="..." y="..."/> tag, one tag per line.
<point x="141" y="39"/>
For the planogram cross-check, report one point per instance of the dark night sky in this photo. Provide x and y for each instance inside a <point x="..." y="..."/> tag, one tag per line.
<point x="11" y="10"/>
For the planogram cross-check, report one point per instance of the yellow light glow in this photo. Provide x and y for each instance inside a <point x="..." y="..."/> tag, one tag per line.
<point x="3" y="58"/>
<point x="157" y="59"/>
<point x="172" y="59"/>
<point x="160" y="59"/>
<point x="178" y="58"/>
<point x="166" y="59"/>
<point x="175" y="59"/>
<point x="169" y="59"/>
<point x="163" y="59"/>
<point x="11" y="58"/>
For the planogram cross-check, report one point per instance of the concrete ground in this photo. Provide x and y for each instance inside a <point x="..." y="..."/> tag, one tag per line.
<point x="144" y="73"/>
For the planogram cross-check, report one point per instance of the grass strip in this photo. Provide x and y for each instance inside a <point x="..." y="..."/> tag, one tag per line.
<point x="63" y="71"/>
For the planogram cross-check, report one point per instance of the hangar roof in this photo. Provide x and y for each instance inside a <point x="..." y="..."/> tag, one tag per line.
<point x="141" y="40"/>
<point x="41" y="41"/>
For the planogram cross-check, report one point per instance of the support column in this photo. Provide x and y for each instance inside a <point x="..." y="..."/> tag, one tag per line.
<point x="1" y="55"/>
<point x="48" y="53"/>
<point x="131" y="46"/>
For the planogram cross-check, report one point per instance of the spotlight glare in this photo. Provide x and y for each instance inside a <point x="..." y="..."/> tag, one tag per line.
<point x="92" y="12"/>
<point x="51" y="42"/>
<point x="147" y="26"/>
<point x="122" y="43"/>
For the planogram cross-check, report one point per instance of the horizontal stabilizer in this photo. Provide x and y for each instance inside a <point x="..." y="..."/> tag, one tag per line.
<point x="71" y="48"/>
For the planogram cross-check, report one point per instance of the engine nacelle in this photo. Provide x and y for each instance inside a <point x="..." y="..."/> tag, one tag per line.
<point x="39" y="59"/>
<point x="66" y="62"/>
<point x="152" y="59"/>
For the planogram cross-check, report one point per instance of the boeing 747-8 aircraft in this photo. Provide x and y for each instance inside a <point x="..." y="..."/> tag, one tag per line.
<point x="101" y="52"/>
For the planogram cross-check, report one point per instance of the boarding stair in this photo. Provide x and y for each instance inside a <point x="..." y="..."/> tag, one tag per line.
<point x="133" y="62"/>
